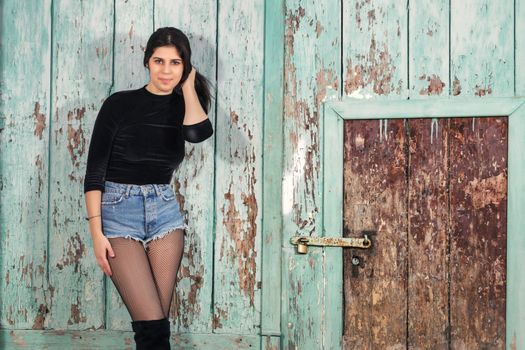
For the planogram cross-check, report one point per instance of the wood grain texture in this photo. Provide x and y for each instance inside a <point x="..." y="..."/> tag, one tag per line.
<point x="24" y="140"/>
<point x="428" y="44"/>
<point x="104" y="339"/>
<point x="519" y="40"/>
<point x="515" y="310"/>
<point x="133" y="23"/>
<point x="426" y="108"/>
<point x="272" y="232"/>
<point x="375" y="192"/>
<point x="81" y="80"/>
<point x="311" y="72"/>
<point x="428" y="214"/>
<point x="375" y="48"/>
<point x="193" y="180"/>
<point x="481" y="52"/>
<point x="303" y="311"/>
<point x="478" y="217"/>
<point x="332" y="150"/>
<point x="237" y="260"/>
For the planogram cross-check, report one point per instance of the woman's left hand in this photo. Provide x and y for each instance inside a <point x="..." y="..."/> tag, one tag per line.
<point x="190" y="81"/>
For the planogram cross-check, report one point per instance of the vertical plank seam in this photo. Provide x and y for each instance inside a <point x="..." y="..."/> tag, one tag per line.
<point x="408" y="48"/>
<point x="153" y="4"/>
<point x="341" y="59"/>
<point x="342" y="93"/>
<point x="514" y="33"/>
<point x="214" y="223"/>
<point x="112" y="86"/>
<point x="105" y="287"/>
<point x="271" y="225"/>
<point x="263" y="186"/>
<point x="450" y="91"/>
<point x="282" y="159"/>
<point x="49" y="135"/>
<point x="407" y="263"/>
<point x="449" y="241"/>
<point x="407" y="152"/>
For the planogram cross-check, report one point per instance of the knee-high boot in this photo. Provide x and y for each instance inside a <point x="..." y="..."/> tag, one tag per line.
<point x="152" y="334"/>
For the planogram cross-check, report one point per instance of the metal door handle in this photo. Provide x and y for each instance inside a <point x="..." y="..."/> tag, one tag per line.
<point x="303" y="242"/>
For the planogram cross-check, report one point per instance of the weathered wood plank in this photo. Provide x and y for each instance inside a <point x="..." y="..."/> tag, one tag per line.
<point x="519" y="40"/>
<point x="428" y="44"/>
<point x="24" y="160"/>
<point x="237" y="272"/>
<point x="375" y="48"/>
<point x="515" y="311"/>
<point x="482" y="56"/>
<point x="478" y="216"/>
<point x="375" y="198"/>
<point x="427" y="108"/>
<point x="193" y="180"/>
<point x="102" y="339"/>
<point x="428" y="234"/>
<point x="311" y="71"/>
<point x="332" y="150"/>
<point x="272" y="173"/>
<point x="271" y="342"/>
<point x="133" y="23"/>
<point x="81" y="80"/>
<point x="303" y="279"/>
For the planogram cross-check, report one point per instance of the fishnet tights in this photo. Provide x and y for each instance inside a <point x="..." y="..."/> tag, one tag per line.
<point x="145" y="278"/>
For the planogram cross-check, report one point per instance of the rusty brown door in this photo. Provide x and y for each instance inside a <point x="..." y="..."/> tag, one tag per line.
<point x="435" y="193"/>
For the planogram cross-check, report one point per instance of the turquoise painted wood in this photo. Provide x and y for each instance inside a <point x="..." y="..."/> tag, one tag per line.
<point x="107" y="339"/>
<point x="237" y="261"/>
<point x="24" y="140"/>
<point x="428" y="45"/>
<point x="311" y="71"/>
<point x="515" y="335"/>
<point x="375" y="49"/>
<point x="519" y="49"/>
<point x="272" y="172"/>
<point x="87" y="52"/>
<point x="81" y="79"/>
<point x="482" y="56"/>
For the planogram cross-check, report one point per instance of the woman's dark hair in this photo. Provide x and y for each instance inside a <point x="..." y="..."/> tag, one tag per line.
<point x="170" y="36"/>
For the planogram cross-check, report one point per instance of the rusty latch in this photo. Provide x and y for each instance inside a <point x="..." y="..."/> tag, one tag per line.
<point x="303" y="242"/>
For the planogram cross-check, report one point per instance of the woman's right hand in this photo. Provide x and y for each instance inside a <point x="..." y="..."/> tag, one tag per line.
<point x="102" y="249"/>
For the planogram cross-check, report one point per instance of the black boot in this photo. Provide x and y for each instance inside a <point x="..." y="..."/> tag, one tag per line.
<point x="152" y="335"/>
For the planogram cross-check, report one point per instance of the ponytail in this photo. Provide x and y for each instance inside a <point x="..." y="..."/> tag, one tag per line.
<point x="202" y="87"/>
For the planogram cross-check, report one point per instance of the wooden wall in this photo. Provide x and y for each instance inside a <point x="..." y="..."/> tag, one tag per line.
<point x="60" y="60"/>
<point x="379" y="50"/>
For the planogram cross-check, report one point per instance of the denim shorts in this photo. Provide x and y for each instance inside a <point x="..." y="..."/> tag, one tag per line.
<point x="140" y="212"/>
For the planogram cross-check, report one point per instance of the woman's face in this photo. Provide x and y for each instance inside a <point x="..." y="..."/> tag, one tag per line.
<point x="165" y="70"/>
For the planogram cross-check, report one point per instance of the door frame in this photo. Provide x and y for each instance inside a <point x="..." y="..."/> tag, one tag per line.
<point x="332" y="148"/>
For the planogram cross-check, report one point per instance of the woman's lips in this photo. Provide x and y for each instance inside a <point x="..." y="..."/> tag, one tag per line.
<point x="165" y="81"/>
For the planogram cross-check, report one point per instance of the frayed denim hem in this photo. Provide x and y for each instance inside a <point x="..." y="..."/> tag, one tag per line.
<point x="130" y="237"/>
<point x="160" y="235"/>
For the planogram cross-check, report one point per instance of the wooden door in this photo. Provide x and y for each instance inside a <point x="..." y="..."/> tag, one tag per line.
<point x="435" y="193"/>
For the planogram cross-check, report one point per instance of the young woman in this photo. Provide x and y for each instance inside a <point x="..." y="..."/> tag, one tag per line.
<point x="134" y="219"/>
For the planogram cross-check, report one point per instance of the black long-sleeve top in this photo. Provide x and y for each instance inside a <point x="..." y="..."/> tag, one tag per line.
<point x="138" y="138"/>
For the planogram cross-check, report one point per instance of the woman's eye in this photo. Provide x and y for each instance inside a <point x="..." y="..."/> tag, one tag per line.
<point x="158" y="61"/>
<point x="175" y="62"/>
